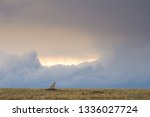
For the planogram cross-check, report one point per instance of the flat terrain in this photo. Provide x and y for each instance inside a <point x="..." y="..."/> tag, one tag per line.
<point x="74" y="94"/>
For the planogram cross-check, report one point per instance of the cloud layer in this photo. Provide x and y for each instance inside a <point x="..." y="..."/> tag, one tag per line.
<point x="116" y="32"/>
<point x="71" y="24"/>
<point x="26" y="71"/>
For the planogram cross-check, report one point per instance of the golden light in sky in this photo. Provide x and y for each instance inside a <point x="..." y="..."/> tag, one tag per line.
<point x="50" y="61"/>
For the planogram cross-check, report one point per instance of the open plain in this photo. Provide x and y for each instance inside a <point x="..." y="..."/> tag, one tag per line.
<point x="73" y="94"/>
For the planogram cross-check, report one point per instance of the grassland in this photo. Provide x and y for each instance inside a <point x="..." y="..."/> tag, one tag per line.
<point x="74" y="94"/>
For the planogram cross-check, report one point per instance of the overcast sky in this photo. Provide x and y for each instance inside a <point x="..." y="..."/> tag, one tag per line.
<point x="115" y="32"/>
<point x="71" y="28"/>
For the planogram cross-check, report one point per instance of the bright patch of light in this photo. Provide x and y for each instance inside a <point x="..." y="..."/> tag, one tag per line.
<point x="47" y="61"/>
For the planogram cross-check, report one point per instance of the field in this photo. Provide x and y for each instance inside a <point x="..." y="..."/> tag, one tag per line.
<point x="74" y="94"/>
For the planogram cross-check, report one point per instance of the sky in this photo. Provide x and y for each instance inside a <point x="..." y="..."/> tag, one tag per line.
<point x="88" y="43"/>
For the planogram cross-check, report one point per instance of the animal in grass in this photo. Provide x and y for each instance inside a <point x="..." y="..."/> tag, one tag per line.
<point x="53" y="86"/>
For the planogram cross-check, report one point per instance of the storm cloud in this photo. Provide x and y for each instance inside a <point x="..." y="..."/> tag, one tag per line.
<point x="86" y="25"/>
<point x="115" y="32"/>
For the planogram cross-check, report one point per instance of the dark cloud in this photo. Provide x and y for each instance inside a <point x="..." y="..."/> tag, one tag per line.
<point x="107" y="19"/>
<point x="129" y="18"/>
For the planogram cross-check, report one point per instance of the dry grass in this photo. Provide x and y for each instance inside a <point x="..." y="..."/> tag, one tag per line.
<point x="74" y="94"/>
